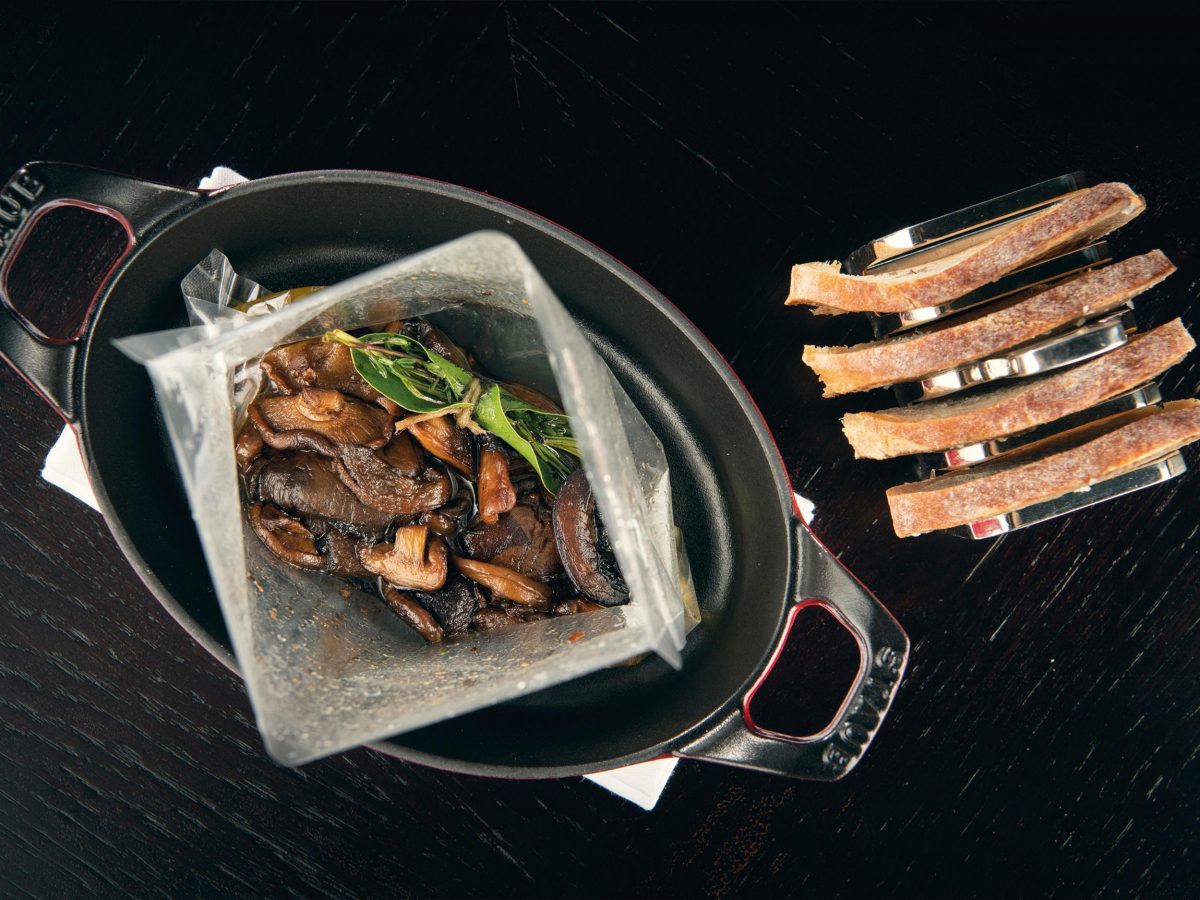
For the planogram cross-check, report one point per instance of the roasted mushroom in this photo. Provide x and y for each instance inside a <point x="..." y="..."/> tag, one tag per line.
<point x="338" y="549"/>
<point x="447" y="442"/>
<point x="321" y="364"/>
<point x="284" y="536"/>
<point x="408" y="563"/>
<point x="522" y="539"/>
<point x="492" y="619"/>
<point x="248" y="446"/>
<point x="453" y="605"/>
<point x="319" y="420"/>
<point x="379" y="484"/>
<point x="505" y="584"/>
<point x="496" y="492"/>
<point x="308" y="485"/>
<point x="592" y="571"/>
<point x="434" y="339"/>
<point x="414" y="615"/>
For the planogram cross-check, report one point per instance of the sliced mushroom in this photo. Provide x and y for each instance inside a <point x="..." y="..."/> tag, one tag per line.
<point x="403" y="455"/>
<point x="454" y="605"/>
<point x="319" y="420"/>
<point x="414" y="615"/>
<point x="593" y="572"/>
<point x="574" y="606"/>
<point x="408" y="563"/>
<point x="496" y="492"/>
<point x="447" y="442"/>
<point x="321" y="364"/>
<point x="522" y="539"/>
<point x="377" y="483"/>
<point x="532" y="397"/>
<point x="309" y="486"/>
<point x="248" y="446"/>
<point x="505" y="584"/>
<point x="284" y="536"/>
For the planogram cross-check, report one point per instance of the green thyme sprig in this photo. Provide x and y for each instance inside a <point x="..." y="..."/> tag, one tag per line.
<point x="407" y="372"/>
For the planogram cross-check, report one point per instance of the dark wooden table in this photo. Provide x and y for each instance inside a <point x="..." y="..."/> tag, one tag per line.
<point x="1045" y="740"/>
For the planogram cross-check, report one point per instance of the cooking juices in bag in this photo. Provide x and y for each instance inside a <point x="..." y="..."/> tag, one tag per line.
<point x="327" y="665"/>
<point x="389" y="459"/>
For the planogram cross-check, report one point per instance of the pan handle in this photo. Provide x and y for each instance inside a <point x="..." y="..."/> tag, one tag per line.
<point x="883" y="646"/>
<point x="45" y="361"/>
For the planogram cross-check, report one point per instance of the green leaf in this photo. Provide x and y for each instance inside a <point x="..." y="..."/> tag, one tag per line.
<point x="383" y="374"/>
<point x="517" y="424"/>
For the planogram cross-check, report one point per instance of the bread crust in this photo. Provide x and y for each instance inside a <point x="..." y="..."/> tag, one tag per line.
<point x="942" y="424"/>
<point x="991" y="490"/>
<point x="877" y="364"/>
<point x="1082" y="216"/>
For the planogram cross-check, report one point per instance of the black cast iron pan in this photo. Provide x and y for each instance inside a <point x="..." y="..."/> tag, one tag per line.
<point x="755" y="564"/>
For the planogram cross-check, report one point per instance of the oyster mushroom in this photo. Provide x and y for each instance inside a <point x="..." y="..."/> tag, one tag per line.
<point x="592" y="571"/>
<point x="574" y="606"/>
<point x="434" y="339"/>
<point x="521" y="539"/>
<point x="496" y="492"/>
<point x="445" y="440"/>
<point x="284" y="536"/>
<point x="505" y="584"/>
<point x="408" y="563"/>
<point x="376" y="482"/>
<point x="321" y="364"/>
<point x="248" y="446"/>
<point x="414" y="615"/>
<point x="309" y="486"/>
<point x="319" y="420"/>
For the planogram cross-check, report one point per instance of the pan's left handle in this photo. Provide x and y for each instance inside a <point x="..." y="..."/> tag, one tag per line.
<point x="47" y="361"/>
<point x="883" y="647"/>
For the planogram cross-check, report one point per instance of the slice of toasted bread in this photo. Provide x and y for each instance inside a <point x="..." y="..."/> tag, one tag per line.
<point x="1002" y="487"/>
<point x="1081" y="217"/>
<point x="942" y="424"/>
<point x="862" y="367"/>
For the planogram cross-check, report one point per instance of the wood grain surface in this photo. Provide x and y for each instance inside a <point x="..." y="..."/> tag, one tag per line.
<point x="1045" y="741"/>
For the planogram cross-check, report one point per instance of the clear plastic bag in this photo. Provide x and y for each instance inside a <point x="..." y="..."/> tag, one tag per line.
<point x="326" y="673"/>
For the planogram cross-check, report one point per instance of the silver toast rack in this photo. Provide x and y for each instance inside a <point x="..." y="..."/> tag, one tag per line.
<point x="957" y="231"/>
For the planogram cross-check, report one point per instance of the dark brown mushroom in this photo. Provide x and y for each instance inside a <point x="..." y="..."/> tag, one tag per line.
<point x="321" y="364"/>
<point x="448" y="519"/>
<point x="505" y="584"/>
<point x="414" y="615"/>
<point x="408" y="562"/>
<point x="248" y="446"/>
<point x="521" y="540"/>
<point x="379" y="484"/>
<point x="454" y="605"/>
<point x="445" y="440"/>
<point x="403" y="455"/>
<point x="309" y="486"/>
<point x="532" y="397"/>
<point x="496" y="492"/>
<point x="319" y="420"/>
<point x="338" y="549"/>
<point x="593" y="572"/>
<point x="284" y="536"/>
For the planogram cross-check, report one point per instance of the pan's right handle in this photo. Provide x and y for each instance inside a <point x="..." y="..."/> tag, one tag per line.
<point x="46" y="361"/>
<point x="883" y="646"/>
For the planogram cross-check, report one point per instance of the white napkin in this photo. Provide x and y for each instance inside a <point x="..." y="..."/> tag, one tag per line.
<point x="642" y="784"/>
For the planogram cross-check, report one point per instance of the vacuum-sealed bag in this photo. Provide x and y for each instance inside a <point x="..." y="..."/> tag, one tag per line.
<point x="326" y="672"/>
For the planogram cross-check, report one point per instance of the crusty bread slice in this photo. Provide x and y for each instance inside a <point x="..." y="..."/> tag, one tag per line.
<point x="991" y="490"/>
<point x="1082" y="216"/>
<point x="942" y="424"/>
<point x="862" y="367"/>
